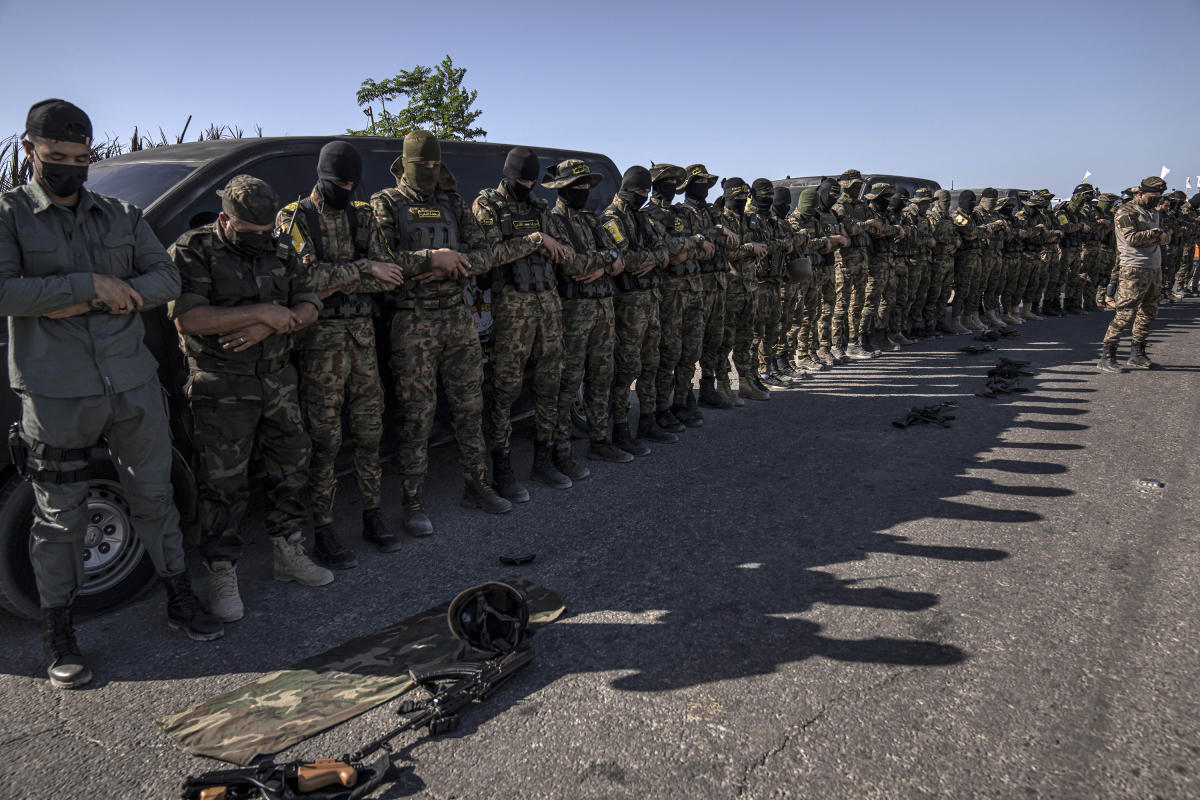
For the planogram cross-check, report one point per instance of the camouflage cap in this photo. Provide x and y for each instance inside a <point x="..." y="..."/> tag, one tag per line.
<point x="1179" y="195"/>
<point x="666" y="172"/>
<point x="880" y="190"/>
<point x="923" y="193"/>
<point x="1109" y="196"/>
<point x="250" y="199"/>
<point x="850" y="175"/>
<point x="1152" y="184"/>
<point x="697" y="173"/>
<point x="569" y="173"/>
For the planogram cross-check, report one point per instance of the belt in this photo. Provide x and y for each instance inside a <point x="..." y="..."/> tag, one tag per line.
<point x="431" y="303"/>
<point x="260" y="368"/>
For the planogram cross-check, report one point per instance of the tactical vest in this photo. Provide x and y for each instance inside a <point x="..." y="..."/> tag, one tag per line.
<point x="429" y="225"/>
<point x="882" y="244"/>
<point x="340" y="305"/>
<point x="531" y="273"/>
<point x="676" y="224"/>
<point x="719" y="262"/>
<point x="1062" y="216"/>
<point x="770" y="269"/>
<point x="568" y="288"/>
<point x="826" y="225"/>
<point x="853" y="213"/>
<point x="627" y="282"/>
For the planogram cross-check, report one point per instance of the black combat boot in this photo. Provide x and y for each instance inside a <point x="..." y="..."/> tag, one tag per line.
<point x="64" y="663"/>
<point x="184" y="612"/>
<point x="667" y="420"/>
<point x="691" y="418"/>
<point x="566" y="463"/>
<point x="544" y="471"/>
<point x="330" y="552"/>
<point x="1108" y="359"/>
<point x="623" y="439"/>
<point x="505" y="480"/>
<point x="710" y="397"/>
<point x="376" y="531"/>
<point x="478" y="493"/>
<point x="416" y="521"/>
<point x="604" y="450"/>
<point x="1138" y="359"/>
<point x="648" y="429"/>
<point x="868" y="347"/>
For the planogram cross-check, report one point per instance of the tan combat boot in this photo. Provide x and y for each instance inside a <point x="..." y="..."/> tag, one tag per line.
<point x="292" y="562"/>
<point x="224" y="602"/>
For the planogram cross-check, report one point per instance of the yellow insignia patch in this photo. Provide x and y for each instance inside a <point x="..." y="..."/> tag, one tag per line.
<point x="426" y="213"/>
<point x="580" y="169"/>
<point x="959" y="219"/>
<point x="614" y="230"/>
<point x="678" y="225"/>
<point x="526" y="225"/>
<point x="1062" y="219"/>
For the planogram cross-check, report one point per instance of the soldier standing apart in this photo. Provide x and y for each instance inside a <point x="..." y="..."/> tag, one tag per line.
<point x="243" y="297"/>
<point x="585" y="283"/>
<point x="1140" y="242"/>
<point x="75" y="267"/>
<point x="625" y="229"/>
<point x="436" y="240"/>
<point x="339" y="367"/>
<point x="527" y="311"/>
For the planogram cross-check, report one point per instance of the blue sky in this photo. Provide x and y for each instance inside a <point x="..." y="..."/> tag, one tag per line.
<point x="1017" y="93"/>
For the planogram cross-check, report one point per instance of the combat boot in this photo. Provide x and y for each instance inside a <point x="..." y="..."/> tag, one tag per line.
<point x="1027" y="313"/>
<point x="899" y="339"/>
<point x="544" y="470"/>
<point x="648" y="429"/>
<point x="735" y="398"/>
<point x="376" y="531"/>
<point x="607" y="451"/>
<point x="564" y="462"/>
<point x="1108" y="359"/>
<point x="838" y="353"/>
<point x="65" y="666"/>
<point x="224" y="602"/>
<point x="709" y="396"/>
<point x="1011" y="318"/>
<point x="957" y="327"/>
<point x="416" y="521"/>
<point x="478" y="493"/>
<point x="943" y="328"/>
<point x="810" y="364"/>
<point x="881" y="343"/>
<point x="773" y="381"/>
<point x="856" y="352"/>
<point x="329" y="551"/>
<point x="993" y="319"/>
<point x="184" y="612"/>
<point x="750" y="390"/>
<point x="929" y="332"/>
<point x="624" y="440"/>
<point x="690" y="417"/>
<point x="825" y="357"/>
<point x="1138" y="359"/>
<point x="292" y="562"/>
<point x="973" y="322"/>
<point x="505" y="480"/>
<point x="667" y="420"/>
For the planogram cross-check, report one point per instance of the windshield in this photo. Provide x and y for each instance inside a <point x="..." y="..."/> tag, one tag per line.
<point x="139" y="183"/>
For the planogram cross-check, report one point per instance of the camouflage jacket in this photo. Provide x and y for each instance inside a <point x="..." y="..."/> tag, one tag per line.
<point x="678" y="238"/>
<point x="777" y="236"/>
<point x="885" y="242"/>
<point x="741" y="258"/>
<point x="576" y="231"/>
<point x="702" y="218"/>
<point x="1138" y="229"/>
<point x="945" y="232"/>
<point x="970" y="235"/>
<point x="991" y="228"/>
<point x="400" y="206"/>
<point x="819" y="228"/>
<point x="1070" y="217"/>
<point x="920" y="231"/>
<point x="638" y="239"/>
<point x="214" y="273"/>
<point x="1043" y="228"/>
<point x="857" y="219"/>
<point x="345" y="319"/>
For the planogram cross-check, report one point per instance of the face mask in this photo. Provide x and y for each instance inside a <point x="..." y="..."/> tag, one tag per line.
<point x="517" y="191"/>
<point x="696" y="191"/>
<point x="333" y="195"/>
<point x="62" y="180"/>
<point x="422" y="178"/>
<point x="763" y="201"/>
<point x="575" y="197"/>
<point x="943" y="205"/>
<point x="245" y="241"/>
<point x="632" y="198"/>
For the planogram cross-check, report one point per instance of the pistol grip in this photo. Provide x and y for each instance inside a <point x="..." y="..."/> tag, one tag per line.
<point x="325" y="772"/>
<point x="214" y="793"/>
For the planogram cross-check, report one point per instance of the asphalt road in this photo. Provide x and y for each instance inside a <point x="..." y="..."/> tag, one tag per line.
<point x="799" y="600"/>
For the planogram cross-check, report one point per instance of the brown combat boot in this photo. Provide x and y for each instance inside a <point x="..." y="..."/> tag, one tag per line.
<point x="478" y="493"/>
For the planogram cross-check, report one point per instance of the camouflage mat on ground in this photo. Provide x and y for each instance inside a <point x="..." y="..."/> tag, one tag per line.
<point x="288" y="706"/>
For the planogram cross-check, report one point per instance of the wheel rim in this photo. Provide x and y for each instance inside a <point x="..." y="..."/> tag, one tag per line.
<point x="111" y="549"/>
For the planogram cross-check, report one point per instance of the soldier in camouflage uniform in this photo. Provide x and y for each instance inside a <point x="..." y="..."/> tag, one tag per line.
<point x="991" y="259"/>
<point x="339" y="367"/>
<point x="900" y="287"/>
<point x="438" y="243"/>
<point x="1073" y="220"/>
<point x="1108" y="247"/>
<point x="639" y="242"/>
<point x="827" y="235"/>
<point x="527" y="311"/>
<point x="817" y="230"/>
<point x="585" y="282"/>
<point x="941" y="275"/>
<point x="1011" y="255"/>
<point x="768" y="275"/>
<point x="920" y="261"/>
<point x="1140" y="242"/>
<point x="963" y="317"/>
<point x="714" y="276"/>
<point x="681" y="307"/>
<point x="739" y="296"/>
<point x="1049" y="257"/>
<point x="851" y="269"/>
<point x="793" y="355"/>
<point x="1096" y="226"/>
<point x="244" y="297"/>
<point x="881" y="278"/>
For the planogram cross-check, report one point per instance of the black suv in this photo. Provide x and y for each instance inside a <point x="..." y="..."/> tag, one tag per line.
<point x="176" y="186"/>
<point x="905" y="182"/>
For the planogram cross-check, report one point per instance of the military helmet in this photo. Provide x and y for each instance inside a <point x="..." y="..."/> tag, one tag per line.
<point x="492" y="617"/>
<point x="570" y="172"/>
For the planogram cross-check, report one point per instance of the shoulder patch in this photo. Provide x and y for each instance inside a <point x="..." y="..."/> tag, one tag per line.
<point x="960" y="219"/>
<point x="355" y="203"/>
<point x="614" y="230"/>
<point x="1063" y="219"/>
<point x="678" y="225"/>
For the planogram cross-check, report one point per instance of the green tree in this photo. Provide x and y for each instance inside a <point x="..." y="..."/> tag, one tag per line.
<point x="437" y="102"/>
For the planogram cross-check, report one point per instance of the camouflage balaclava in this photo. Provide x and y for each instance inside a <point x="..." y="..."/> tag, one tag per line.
<point x="421" y="146"/>
<point x="941" y="201"/>
<point x="851" y="182"/>
<point x="987" y="199"/>
<point x="1105" y="202"/>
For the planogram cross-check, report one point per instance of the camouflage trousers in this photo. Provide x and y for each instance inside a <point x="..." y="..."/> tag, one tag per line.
<point x="1170" y="256"/>
<point x="792" y="308"/>
<point x="329" y="381"/>
<point x="1110" y="272"/>
<point x="991" y="280"/>
<point x="1014" y="280"/>
<point x="877" y="303"/>
<point x="821" y="310"/>
<point x="1069" y="276"/>
<point x="966" y="282"/>
<point x="1045" y="265"/>
<point x="768" y="313"/>
<point x="739" y="331"/>
<point x="428" y="344"/>
<point x="134" y="424"/>
<point x="1185" y="277"/>
<point x="1094" y="270"/>
<point x="238" y="418"/>
<point x="681" y="318"/>
<point x="941" y="283"/>
<point x="919" y="269"/>
<point x="712" y="348"/>
<point x="897" y="290"/>
<point x="635" y="353"/>
<point x="1137" y="302"/>
<point x="850" y="284"/>
<point x="588" y="337"/>
<point x="528" y="325"/>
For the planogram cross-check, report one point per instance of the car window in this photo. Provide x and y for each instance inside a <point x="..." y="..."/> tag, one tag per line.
<point x="138" y="183"/>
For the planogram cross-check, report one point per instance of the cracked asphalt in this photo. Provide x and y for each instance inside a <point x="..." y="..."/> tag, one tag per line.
<point x="799" y="600"/>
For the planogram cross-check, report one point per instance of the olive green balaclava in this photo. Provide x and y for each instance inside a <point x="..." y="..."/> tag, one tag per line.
<point x="421" y="146"/>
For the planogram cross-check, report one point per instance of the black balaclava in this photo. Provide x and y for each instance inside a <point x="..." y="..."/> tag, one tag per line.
<point x="575" y="196"/>
<point x="897" y="202"/>
<point x="521" y="164"/>
<point x="719" y="203"/>
<point x="633" y="182"/>
<point x="827" y="193"/>
<point x="763" y="192"/>
<point x="966" y="201"/>
<point x="697" y="190"/>
<point x="736" y="192"/>
<point x="666" y="188"/>
<point x="783" y="201"/>
<point x="339" y="161"/>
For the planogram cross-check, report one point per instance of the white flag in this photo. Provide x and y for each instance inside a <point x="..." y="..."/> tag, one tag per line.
<point x="1086" y="175"/>
<point x="1187" y="184"/>
<point x="1164" y="173"/>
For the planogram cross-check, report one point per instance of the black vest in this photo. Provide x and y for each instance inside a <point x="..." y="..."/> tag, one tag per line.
<point x="569" y="288"/>
<point x="531" y="273"/>
<point x="429" y="225"/>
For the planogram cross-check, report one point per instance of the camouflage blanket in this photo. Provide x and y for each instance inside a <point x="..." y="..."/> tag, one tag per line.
<point x="288" y="706"/>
